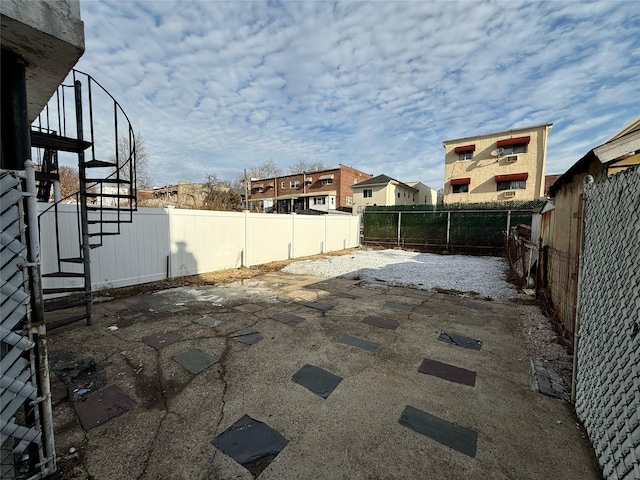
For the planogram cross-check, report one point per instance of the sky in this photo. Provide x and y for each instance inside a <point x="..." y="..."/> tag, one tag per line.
<point x="216" y="87"/>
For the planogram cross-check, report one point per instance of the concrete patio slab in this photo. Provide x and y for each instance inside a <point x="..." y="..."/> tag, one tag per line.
<point x="355" y="433"/>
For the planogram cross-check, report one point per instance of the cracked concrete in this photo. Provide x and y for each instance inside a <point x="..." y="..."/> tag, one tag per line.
<point x="355" y="432"/>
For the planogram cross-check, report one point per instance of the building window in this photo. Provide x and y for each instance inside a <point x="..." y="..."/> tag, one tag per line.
<point x="398" y="194"/>
<point x="510" y="146"/>
<point x="327" y="181"/>
<point x="367" y="192"/>
<point x="512" y="185"/>
<point x="468" y="155"/>
<point x="349" y="201"/>
<point x="294" y="184"/>
<point x="465" y="152"/>
<point x="319" y="200"/>
<point x="282" y="185"/>
<point x="460" y="188"/>
<point x="511" y="149"/>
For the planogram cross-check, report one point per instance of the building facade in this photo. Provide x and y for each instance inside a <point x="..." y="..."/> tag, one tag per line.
<point x="383" y="190"/>
<point x="324" y="190"/>
<point x="494" y="167"/>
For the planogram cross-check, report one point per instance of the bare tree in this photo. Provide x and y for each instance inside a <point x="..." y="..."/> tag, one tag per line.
<point x="307" y="166"/>
<point x="69" y="180"/>
<point x="125" y="149"/>
<point x="267" y="169"/>
<point x="219" y="195"/>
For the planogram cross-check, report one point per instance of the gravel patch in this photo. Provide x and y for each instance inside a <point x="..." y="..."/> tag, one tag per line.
<point x="477" y="276"/>
<point x="542" y="342"/>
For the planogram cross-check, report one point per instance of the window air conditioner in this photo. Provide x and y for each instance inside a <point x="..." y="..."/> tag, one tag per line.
<point x="511" y="159"/>
<point x="510" y="194"/>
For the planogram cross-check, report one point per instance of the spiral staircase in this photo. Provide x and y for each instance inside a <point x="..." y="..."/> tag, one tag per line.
<point x="82" y="125"/>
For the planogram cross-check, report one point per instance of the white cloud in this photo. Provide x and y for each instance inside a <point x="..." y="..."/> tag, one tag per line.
<point x="219" y="86"/>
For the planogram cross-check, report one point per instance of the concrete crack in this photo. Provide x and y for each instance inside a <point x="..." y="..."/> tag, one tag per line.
<point x="223" y="378"/>
<point x="161" y="422"/>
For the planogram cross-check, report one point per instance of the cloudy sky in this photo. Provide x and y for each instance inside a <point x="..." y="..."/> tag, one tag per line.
<point x="219" y="86"/>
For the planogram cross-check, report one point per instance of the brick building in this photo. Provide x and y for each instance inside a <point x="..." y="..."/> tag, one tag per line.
<point x="324" y="190"/>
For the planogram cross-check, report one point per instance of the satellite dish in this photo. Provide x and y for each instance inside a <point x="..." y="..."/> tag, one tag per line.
<point x="498" y="152"/>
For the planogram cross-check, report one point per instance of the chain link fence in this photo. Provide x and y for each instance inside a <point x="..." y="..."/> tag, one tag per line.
<point x="607" y="373"/>
<point x="452" y="230"/>
<point x="26" y="432"/>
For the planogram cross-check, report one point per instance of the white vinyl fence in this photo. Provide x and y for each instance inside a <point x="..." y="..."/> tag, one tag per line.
<point x="168" y="243"/>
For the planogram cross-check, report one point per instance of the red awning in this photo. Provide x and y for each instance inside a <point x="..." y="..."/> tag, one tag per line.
<point x="466" y="148"/>
<point x="513" y="177"/>
<point x="460" y="181"/>
<point x="513" y="141"/>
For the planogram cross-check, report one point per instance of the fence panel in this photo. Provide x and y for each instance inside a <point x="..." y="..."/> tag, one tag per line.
<point x="424" y="228"/>
<point x="607" y="387"/>
<point x="380" y="226"/>
<point x="204" y="241"/>
<point x="137" y="255"/>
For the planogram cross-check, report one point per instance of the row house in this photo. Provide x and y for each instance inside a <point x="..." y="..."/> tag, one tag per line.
<point x="323" y="190"/>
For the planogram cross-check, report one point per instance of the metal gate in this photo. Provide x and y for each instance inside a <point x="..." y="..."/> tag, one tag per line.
<point x="26" y="431"/>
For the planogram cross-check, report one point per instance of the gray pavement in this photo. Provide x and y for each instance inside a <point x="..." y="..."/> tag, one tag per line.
<point x="497" y="428"/>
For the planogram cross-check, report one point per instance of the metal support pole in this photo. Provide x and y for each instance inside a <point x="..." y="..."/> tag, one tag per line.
<point x="399" y="224"/>
<point x="508" y="222"/>
<point x="38" y="329"/>
<point x="84" y="217"/>
<point x="448" y="228"/>
<point x="16" y="144"/>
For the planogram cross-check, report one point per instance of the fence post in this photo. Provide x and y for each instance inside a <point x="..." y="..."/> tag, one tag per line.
<point x="245" y="256"/>
<point x="399" y="224"/>
<point x="448" y="227"/>
<point x="293" y="235"/>
<point x="508" y="222"/>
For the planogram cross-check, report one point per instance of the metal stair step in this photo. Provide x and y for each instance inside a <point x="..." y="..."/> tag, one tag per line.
<point x="94" y="222"/>
<point x="110" y="195"/>
<point x="107" y="180"/>
<point x="52" y="307"/>
<point x="72" y="260"/>
<point x="95" y="245"/>
<point x="103" y="234"/>
<point x="49" y="291"/>
<point x="44" y="176"/>
<point x="99" y="164"/>
<point x="57" y="142"/>
<point x="63" y="275"/>
<point x="106" y="209"/>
